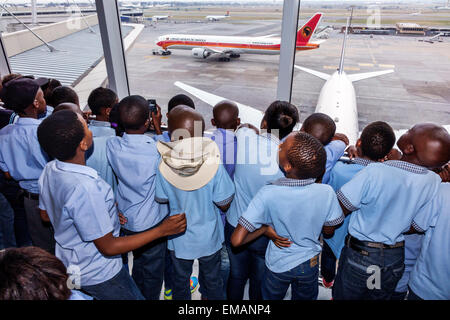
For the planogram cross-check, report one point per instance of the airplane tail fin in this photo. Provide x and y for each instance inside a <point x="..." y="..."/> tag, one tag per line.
<point x="319" y="74"/>
<point x="306" y="32"/>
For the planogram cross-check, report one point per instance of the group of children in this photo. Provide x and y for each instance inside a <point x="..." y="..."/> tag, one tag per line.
<point x="266" y="205"/>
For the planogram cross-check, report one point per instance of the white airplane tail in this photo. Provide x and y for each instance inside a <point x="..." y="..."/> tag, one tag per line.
<point x="352" y="77"/>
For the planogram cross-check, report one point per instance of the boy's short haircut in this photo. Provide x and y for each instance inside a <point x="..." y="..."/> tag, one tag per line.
<point x="63" y="94"/>
<point x="283" y="116"/>
<point x="133" y="112"/>
<point x="320" y="126"/>
<point x="19" y="93"/>
<point x="31" y="273"/>
<point x="307" y="156"/>
<point x="60" y="134"/>
<point x="377" y="140"/>
<point x="180" y="99"/>
<point x="101" y="98"/>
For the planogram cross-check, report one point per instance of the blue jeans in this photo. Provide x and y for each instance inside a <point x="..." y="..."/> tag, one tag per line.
<point x="148" y="266"/>
<point x="327" y="263"/>
<point x="13" y="193"/>
<point x="303" y="281"/>
<point x="357" y="273"/>
<point x="224" y="272"/>
<point x="412" y="295"/>
<point x="208" y="277"/>
<point x="168" y="272"/>
<point x="119" y="287"/>
<point x="7" y="236"/>
<point x="246" y="262"/>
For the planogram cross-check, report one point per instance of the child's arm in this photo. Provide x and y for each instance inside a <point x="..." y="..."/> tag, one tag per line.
<point x="111" y="246"/>
<point x="280" y="242"/>
<point x="241" y="235"/>
<point x="44" y="215"/>
<point x="7" y="175"/>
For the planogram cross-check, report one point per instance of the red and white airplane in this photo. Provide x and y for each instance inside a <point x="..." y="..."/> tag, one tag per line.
<point x="226" y="47"/>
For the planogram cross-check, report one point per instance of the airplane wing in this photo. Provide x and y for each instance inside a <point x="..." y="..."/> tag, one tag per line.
<point x="319" y="74"/>
<point x="367" y="75"/>
<point x="246" y="113"/>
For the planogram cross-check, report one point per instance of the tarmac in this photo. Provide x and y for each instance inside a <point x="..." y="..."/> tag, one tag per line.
<point x="418" y="90"/>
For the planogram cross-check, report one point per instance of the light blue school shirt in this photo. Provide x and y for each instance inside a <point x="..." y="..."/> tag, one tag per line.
<point x="431" y="274"/>
<point x="385" y="197"/>
<point x="334" y="150"/>
<point x="101" y="128"/>
<point x="20" y="153"/>
<point x="134" y="159"/>
<point x="227" y="143"/>
<point x="165" y="137"/>
<point x="204" y="233"/>
<point x="96" y="156"/>
<point x="413" y="244"/>
<point x="297" y="210"/>
<point x="46" y="114"/>
<point x="256" y="164"/>
<point x="342" y="173"/>
<point x="81" y="208"/>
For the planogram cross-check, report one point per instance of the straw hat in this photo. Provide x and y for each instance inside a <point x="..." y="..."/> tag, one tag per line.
<point x="189" y="164"/>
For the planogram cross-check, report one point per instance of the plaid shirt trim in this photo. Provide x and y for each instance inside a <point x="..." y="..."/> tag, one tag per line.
<point x="161" y="200"/>
<point x="246" y="224"/>
<point x="345" y="201"/>
<point x="406" y="166"/>
<point x="334" y="222"/>
<point x="292" y="182"/>
<point x="417" y="228"/>
<point x="361" y="161"/>
<point x="225" y="202"/>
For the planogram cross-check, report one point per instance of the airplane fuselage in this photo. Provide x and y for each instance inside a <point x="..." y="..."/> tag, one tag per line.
<point x="338" y="100"/>
<point x="236" y="44"/>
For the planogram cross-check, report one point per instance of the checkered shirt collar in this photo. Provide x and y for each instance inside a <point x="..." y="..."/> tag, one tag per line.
<point x="272" y="137"/>
<point x="410" y="167"/>
<point x="362" y="162"/>
<point x="286" y="182"/>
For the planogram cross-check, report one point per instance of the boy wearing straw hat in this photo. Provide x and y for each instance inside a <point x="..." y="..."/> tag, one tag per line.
<point x="192" y="179"/>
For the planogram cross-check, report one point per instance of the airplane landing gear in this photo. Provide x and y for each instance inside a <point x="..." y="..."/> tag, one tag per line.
<point x="224" y="59"/>
<point x="235" y="55"/>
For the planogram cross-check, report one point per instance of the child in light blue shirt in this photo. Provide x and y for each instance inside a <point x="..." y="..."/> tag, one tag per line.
<point x="376" y="141"/>
<point x="385" y="198"/>
<point x="134" y="159"/>
<point x="81" y="207"/>
<point x="193" y="181"/>
<point x="298" y="209"/>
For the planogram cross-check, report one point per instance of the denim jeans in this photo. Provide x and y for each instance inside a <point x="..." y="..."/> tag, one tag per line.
<point x="7" y="236"/>
<point x="246" y="262"/>
<point x="303" y="281"/>
<point x="168" y="272"/>
<point x="148" y="266"/>
<point x="120" y="287"/>
<point x="327" y="263"/>
<point x="368" y="277"/>
<point x="208" y="277"/>
<point x="224" y="271"/>
<point x="41" y="232"/>
<point x="13" y="193"/>
<point x="412" y="295"/>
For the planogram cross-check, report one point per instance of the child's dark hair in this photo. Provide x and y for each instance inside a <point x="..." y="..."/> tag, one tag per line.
<point x="283" y="116"/>
<point x="133" y="112"/>
<point x="321" y="126"/>
<point x="180" y="99"/>
<point x="307" y="156"/>
<point x="101" y="98"/>
<point x="377" y="140"/>
<point x="63" y="94"/>
<point x="60" y="134"/>
<point x="31" y="273"/>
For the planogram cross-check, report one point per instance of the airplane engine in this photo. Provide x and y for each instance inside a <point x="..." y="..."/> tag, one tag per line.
<point x="200" y="53"/>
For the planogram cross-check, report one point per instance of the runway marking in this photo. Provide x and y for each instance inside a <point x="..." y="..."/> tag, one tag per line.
<point x="366" y="64"/>
<point x="330" y="67"/>
<point x="371" y="53"/>
<point x="386" y="65"/>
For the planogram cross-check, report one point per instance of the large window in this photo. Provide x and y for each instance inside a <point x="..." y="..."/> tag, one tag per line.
<point x="226" y="49"/>
<point x="412" y="39"/>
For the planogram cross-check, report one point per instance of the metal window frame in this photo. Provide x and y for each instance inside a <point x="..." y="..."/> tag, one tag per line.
<point x="113" y="48"/>
<point x="289" y="26"/>
<point x="5" y="68"/>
